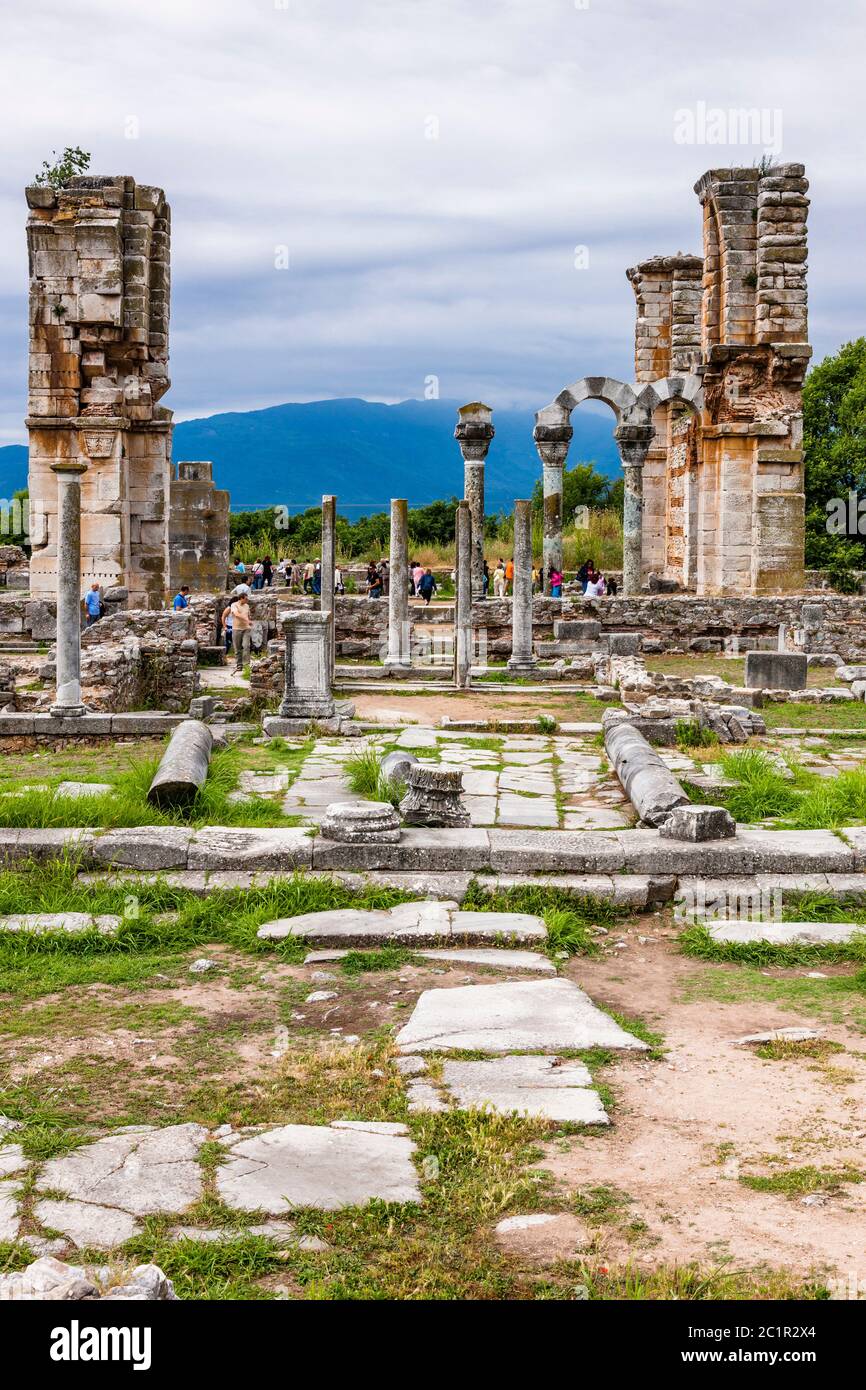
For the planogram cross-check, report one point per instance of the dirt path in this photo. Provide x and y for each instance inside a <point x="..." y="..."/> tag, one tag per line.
<point x="688" y="1127"/>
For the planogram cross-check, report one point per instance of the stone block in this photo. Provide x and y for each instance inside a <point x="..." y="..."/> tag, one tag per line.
<point x="624" y="643"/>
<point x="776" y="670"/>
<point x="698" y="823"/>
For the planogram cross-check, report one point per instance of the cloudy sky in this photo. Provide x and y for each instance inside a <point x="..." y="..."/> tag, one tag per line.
<point x="429" y="167"/>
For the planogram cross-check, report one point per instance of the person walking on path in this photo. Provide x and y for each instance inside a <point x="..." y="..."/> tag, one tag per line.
<point x="485" y="580"/>
<point x="309" y="571"/>
<point x="427" y="587"/>
<point x="417" y="576"/>
<point x="267" y="571"/>
<point x="242" y="624"/>
<point x="555" y="583"/>
<point x="499" y="581"/>
<point x="509" y="577"/>
<point x="93" y="605"/>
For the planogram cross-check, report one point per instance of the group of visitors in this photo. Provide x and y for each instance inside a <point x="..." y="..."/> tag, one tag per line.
<point x="503" y="580"/>
<point x="261" y="573"/>
<point x="593" y="583"/>
<point x="377" y="578"/>
<point x="422" y="582"/>
<point x="237" y="624"/>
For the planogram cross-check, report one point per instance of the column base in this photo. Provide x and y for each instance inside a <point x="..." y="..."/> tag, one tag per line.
<point x="521" y="664"/>
<point x="68" y="711"/>
<point x="399" y="662"/>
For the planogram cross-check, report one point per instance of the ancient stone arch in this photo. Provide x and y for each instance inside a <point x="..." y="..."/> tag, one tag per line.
<point x="710" y="432"/>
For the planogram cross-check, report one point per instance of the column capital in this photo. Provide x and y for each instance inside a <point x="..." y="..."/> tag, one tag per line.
<point x="552" y="443"/>
<point x="474" y="431"/>
<point x="633" y="443"/>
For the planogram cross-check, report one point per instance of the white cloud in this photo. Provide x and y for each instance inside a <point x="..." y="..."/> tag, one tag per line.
<point x="306" y="126"/>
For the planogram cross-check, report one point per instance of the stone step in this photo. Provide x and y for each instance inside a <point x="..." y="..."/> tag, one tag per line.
<point x="543" y="1087"/>
<point x="410" y="924"/>
<point x="754" y="849"/>
<point x="704" y="893"/>
<point x="623" y="890"/>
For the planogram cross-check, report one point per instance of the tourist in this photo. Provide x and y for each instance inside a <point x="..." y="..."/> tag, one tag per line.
<point x="555" y="582"/>
<point x="309" y="571"/>
<point x="240" y="589"/>
<point x="374" y="581"/>
<point x="499" y="581"/>
<point x="258" y="575"/>
<point x="384" y="575"/>
<point x="427" y="587"/>
<point x="594" y="585"/>
<point x="417" y="576"/>
<point x="485" y="580"/>
<point x="535" y="579"/>
<point x="242" y="624"/>
<point x="239" y="565"/>
<point x="181" y="598"/>
<point x="226" y="622"/>
<point x="339" y="586"/>
<point x="583" y="574"/>
<point x="93" y="604"/>
<point x="611" y="587"/>
<point x="267" y="571"/>
<point x="509" y="577"/>
<point x="317" y="577"/>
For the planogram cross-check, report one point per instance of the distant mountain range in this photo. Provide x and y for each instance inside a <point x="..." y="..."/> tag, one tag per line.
<point x="364" y="452"/>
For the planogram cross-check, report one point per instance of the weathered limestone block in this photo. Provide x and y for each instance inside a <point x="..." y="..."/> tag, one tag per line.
<point x="776" y="670"/>
<point x="698" y="823"/>
<point x="183" y="769"/>
<point x="307" y="692"/>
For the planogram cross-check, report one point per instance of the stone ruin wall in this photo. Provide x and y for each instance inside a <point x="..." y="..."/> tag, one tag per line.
<point x="723" y="492"/>
<point x="99" y="310"/>
<point x="99" y="253"/>
<point x="198" y="538"/>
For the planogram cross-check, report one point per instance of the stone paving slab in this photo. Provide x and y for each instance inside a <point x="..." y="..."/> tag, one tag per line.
<point x="141" y="1170"/>
<point x="66" y="923"/>
<point x="10" y="1222"/>
<point x="544" y="1087"/>
<point x="316" y="1166"/>
<point x="498" y="958"/>
<point x="12" y="1159"/>
<point x="87" y="1223"/>
<point x="83" y="789"/>
<point x="787" y="933"/>
<point x="524" y="1015"/>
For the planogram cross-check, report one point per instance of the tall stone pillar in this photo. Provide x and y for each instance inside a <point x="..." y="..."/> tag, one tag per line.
<point x="633" y="442"/>
<point x="552" y="436"/>
<point x="463" y="603"/>
<point x="329" y="557"/>
<point x="68" y="680"/>
<point x="399" y="641"/>
<point x="473" y="433"/>
<point x="522" y="657"/>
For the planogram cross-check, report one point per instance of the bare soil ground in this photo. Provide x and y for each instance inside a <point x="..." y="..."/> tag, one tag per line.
<point x="689" y="1127"/>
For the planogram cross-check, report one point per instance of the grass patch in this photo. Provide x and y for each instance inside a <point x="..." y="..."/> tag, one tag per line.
<point x="127" y="805"/>
<point x="797" y="1182"/>
<point x="569" y="918"/>
<point x="365" y="777"/>
<point x="810" y="1049"/>
<point x="387" y="958"/>
<point x="697" y="941"/>
<point x="690" y="733"/>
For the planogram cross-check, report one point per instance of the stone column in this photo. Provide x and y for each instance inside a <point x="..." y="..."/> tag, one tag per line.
<point x="522" y="658"/>
<point x="463" y="600"/>
<point x="327" y="600"/>
<point x="399" y="642"/>
<point x="473" y="433"/>
<point x="633" y="442"/>
<point x="307" y="693"/>
<point x="68" y="680"/>
<point x="552" y="438"/>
